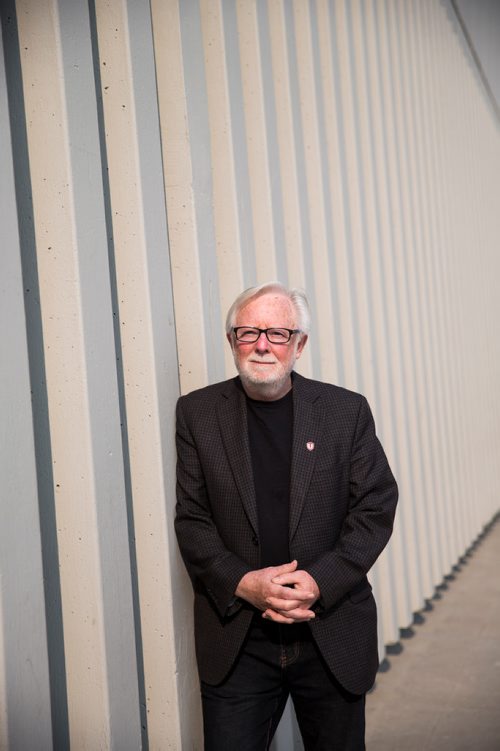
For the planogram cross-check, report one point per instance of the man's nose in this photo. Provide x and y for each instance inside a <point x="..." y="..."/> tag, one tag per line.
<point x="262" y="343"/>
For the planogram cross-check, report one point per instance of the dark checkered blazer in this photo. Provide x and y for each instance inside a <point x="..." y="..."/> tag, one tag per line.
<point x="342" y="503"/>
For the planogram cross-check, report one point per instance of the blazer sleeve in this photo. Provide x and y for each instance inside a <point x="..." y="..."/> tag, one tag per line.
<point x="367" y="527"/>
<point x="206" y="558"/>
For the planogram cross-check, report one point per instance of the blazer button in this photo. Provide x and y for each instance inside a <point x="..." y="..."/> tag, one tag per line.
<point x="255" y="541"/>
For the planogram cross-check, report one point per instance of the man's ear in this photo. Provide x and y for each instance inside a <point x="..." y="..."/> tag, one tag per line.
<point x="229" y="337"/>
<point x="301" y="345"/>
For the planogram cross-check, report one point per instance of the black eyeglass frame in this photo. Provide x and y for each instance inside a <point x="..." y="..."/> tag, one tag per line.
<point x="290" y="333"/>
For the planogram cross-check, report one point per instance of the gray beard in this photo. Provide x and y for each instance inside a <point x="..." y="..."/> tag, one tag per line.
<point x="266" y="389"/>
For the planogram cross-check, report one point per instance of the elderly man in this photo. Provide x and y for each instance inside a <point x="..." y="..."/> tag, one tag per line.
<point x="285" y="500"/>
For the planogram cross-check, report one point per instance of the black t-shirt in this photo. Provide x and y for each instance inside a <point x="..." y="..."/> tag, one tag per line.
<point x="270" y="427"/>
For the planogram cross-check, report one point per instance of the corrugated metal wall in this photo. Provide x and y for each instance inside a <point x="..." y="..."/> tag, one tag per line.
<point x="155" y="159"/>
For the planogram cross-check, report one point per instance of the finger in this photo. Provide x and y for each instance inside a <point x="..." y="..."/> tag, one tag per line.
<point x="272" y="615"/>
<point x="295" y="616"/>
<point x="300" y="614"/>
<point x="290" y="593"/>
<point x="282" y="605"/>
<point x="292" y="577"/>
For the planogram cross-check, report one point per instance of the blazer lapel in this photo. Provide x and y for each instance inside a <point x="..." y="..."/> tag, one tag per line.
<point x="232" y="416"/>
<point x="307" y="429"/>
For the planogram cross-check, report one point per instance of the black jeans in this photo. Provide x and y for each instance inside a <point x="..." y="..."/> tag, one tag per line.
<point x="243" y="712"/>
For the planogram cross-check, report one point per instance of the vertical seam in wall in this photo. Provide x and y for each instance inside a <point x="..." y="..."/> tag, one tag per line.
<point x="36" y="358"/>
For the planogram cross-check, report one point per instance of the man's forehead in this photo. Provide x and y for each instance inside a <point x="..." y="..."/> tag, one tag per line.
<point x="270" y="303"/>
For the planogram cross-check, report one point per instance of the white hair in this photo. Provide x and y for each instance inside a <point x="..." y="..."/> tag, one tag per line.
<point x="296" y="296"/>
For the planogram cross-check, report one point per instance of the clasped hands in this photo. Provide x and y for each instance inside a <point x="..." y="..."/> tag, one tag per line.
<point x="283" y="593"/>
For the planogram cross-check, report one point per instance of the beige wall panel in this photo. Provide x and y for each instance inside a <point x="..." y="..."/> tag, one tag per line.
<point x="258" y="161"/>
<point x="287" y="158"/>
<point x="286" y="143"/>
<point x="353" y="201"/>
<point x="227" y="230"/>
<point x="151" y="515"/>
<point x="182" y="229"/>
<point x="345" y="371"/>
<point x="322" y="293"/>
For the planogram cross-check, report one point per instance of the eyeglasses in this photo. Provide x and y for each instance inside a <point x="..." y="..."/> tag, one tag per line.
<point x="249" y="334"/>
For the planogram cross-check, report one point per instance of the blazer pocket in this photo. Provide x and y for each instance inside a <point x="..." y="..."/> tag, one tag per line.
<point x="361" y="592"/>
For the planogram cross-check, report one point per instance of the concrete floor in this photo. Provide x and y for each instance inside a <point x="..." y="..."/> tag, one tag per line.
<point x="442" y="691"/>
